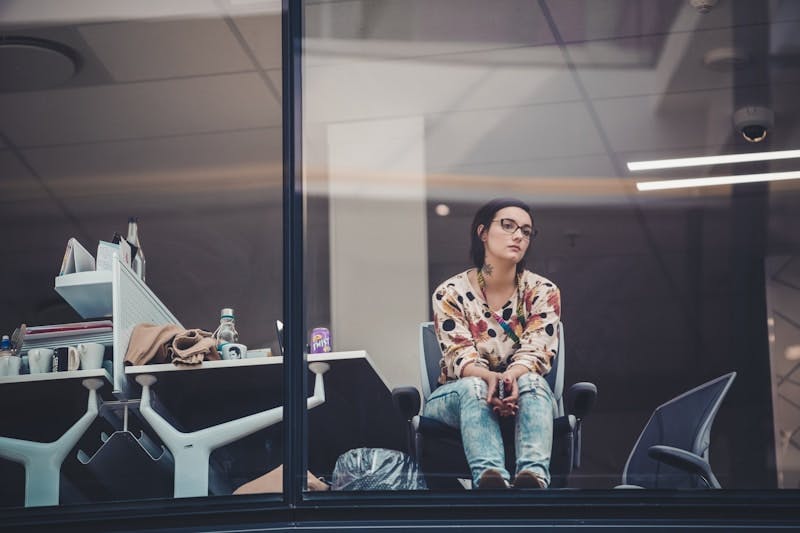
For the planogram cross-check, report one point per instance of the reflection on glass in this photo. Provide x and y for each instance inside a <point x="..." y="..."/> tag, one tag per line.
<point x="417" y="113"/>
<point x="169" y="114"/>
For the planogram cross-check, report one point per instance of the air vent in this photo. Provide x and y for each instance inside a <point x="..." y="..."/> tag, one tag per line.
<point x="30" y="64"/>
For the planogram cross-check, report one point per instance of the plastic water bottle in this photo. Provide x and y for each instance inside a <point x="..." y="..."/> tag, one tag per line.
<point x="133" y="239"/>
<point x="226" y="332"/>
<point x="5" y="343"/>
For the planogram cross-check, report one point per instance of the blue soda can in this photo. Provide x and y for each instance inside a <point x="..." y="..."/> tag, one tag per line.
<point x="320" y="341"/>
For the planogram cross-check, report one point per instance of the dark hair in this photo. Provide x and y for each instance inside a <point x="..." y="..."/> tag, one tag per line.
<point x="484" y="217"/>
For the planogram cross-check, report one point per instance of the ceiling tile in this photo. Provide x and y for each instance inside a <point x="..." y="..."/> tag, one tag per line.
<point x="366" y="90"/>
<point x="48" y="12"/>
<point x="659" y="122"/>
<point x="20" y="191"/>
<point x="694" y="123"/>
<point x="276" y="77"/>
<point x="192" y="173"/>
<point x="263" y="36"/>
<point x="501" y="135"/>
<point x="506" y="21"/>
<point x="149" y="109"/>
<point x="645" y="65"/>
<point x="583" y="20"/>
<point x="586" y="20"/>
<point x="672" y="63"/>
<point x="343" y="31"/>
<point x="140" y="50"/>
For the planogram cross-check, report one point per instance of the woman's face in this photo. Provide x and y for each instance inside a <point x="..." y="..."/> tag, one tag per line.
<point x="505" y="237"/>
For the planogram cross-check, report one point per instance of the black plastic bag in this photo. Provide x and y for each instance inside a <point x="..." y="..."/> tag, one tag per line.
<point x="376" y="469"/>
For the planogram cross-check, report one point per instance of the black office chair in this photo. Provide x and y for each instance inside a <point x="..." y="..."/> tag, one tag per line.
<point x="437" y="447"/>
<point x="672" y="450"/>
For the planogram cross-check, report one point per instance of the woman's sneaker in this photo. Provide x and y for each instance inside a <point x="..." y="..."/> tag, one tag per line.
<point x="528" y="480"/>
<point x="492" y="479"/>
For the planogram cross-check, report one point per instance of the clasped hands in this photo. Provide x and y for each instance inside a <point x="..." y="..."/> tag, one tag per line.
<point x="507" y="405"/>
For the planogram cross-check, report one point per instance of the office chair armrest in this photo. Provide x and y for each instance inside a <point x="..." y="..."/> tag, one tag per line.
<point x="686" y="461"/>
<point x="580" y="399"/>
<point x="406" y="401"/>
<point x="564" y="425"/>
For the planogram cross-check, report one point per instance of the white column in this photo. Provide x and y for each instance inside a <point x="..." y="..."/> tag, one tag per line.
<point x="378" y="242"/>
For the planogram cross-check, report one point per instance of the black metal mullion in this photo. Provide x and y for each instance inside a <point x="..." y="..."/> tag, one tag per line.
<point x="294" y="383"/>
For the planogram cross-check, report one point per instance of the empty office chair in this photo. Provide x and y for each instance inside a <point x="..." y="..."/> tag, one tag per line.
<point x="437" y="447"/>
<point x="672" y="450"/>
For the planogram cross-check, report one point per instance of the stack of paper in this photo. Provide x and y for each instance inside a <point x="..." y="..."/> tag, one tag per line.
<point x="56" y="335"/>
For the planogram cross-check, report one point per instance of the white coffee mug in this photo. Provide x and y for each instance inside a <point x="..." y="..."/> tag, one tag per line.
<point x="73" y="359"/>
<point x="91" y="355"/>
<point x="233" y="350"/>
<point x="40" y="360"/>
<point x="9" y="365"/>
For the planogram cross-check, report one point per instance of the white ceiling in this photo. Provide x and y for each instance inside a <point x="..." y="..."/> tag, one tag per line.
<point x="176" y="108"/>
<point x="182" y="69"/>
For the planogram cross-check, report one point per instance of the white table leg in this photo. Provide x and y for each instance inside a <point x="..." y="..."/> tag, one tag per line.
<point x="191" y="450"/>
<point x="42" y="460"/>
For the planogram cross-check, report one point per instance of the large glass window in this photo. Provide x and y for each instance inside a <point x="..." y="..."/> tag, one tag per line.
<point x="651" y="339"/>
<point x="416" y="113"/>
<point x="169" y="112"/>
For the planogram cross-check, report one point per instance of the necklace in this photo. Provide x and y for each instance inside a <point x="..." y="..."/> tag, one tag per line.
<point x="503" y="324"/>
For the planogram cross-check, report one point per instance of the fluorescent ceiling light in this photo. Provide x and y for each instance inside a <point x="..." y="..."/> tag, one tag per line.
<point x="712" y="181"/>
<point x="635" y="166"/>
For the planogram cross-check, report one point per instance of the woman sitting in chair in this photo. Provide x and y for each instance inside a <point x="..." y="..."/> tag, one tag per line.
<point x="497" y="326"/>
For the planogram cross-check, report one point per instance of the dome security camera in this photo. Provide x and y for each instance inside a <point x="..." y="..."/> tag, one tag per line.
<point x="703" y="6"/>
<point x="753" y="122"/>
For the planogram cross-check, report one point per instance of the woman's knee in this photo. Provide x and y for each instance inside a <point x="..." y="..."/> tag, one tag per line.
<point x="471" y="387"/>
<point x="534" y="385"/>
<point x="464" y="388"/>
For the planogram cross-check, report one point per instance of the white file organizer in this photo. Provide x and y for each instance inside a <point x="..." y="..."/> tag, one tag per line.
<point x="132" y="303"/>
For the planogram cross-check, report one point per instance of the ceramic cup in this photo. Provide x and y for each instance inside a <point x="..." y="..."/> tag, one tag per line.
<point x="91" y="355"/>
<point x="40" y="360"/>
<point x="233" y="350"/>
<point x="9" y="365"/>
<point x="66" y="358"/>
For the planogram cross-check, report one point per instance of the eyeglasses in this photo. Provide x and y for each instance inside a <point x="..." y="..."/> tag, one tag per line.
<point x="509" y="226"/>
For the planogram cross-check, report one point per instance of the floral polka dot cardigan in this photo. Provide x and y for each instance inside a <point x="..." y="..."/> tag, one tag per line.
<point x="469" y="331"/>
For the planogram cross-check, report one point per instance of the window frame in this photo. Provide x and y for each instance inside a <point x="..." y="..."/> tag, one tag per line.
<point x="294" y="506"/>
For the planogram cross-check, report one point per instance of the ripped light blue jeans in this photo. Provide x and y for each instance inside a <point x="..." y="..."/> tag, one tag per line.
<point x="462" y="404"/>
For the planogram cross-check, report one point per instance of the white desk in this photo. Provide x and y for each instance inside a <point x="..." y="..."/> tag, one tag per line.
<point x="357" y="409"/>
<point x="191" y="449"/>
<point x="58" y="379"/>
<point x="357" y="412"/>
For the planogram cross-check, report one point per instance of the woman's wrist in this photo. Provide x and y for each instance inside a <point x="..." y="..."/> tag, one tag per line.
<point x="474" y="369"/>
<point x="516" y="371"/>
